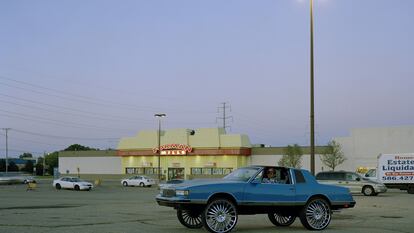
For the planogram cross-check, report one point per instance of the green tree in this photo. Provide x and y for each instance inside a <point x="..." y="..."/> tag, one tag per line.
<point x="39" y="166"/>
<point x="2" y="165"/>
<point x="77" y="147"/>
<point x="292" y="157"/>
<point x="13" y="167"/>
<point x="26" y="155"/>
<point x="332" y="156"/>
<point x="52" y="161"/>
<point x="28" y="167"/>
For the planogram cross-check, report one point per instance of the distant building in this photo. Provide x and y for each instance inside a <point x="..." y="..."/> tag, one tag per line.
<point x="363" y="145"/>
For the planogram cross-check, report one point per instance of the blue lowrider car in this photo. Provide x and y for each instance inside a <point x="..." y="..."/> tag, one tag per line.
<point x="290" y="193"/>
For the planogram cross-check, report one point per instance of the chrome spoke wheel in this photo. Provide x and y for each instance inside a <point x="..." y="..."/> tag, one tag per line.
<point x="220" y="216"/>
<point x="316" y="215"/>
<point x="189" y="218"/>
<point x="280" y="220"/>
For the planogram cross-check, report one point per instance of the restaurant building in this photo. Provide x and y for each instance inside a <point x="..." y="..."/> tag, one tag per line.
<point x="184" y="153"/>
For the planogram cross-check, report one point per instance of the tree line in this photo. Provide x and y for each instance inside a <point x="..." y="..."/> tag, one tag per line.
<point x="331" y="156"/>
<point x="51" y="161"/>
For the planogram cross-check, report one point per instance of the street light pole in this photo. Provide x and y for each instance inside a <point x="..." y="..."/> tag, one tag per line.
<point x="312" y="106"/>
<point x="159" y="116"/>
<point x="7" y="149"/>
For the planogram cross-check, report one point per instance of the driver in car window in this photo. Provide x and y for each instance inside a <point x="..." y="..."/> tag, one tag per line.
<point x="270" y="176"/>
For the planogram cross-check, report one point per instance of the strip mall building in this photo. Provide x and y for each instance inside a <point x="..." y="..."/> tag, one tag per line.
<point x="188" y="154"/>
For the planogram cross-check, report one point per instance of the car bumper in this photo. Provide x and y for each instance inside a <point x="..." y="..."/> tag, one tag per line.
<point x="171" y="201"/>
<point x="85" y="187"/>
<point x="380" y="189"/>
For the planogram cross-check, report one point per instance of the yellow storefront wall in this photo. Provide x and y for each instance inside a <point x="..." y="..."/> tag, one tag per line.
<point x="185" y="161"/>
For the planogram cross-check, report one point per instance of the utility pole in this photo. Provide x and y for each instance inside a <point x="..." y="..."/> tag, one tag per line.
<point x="7" y="149"/>
<point x="44" y="163"/>
<point x="224" y="117"/>
<point x="312" y="102"/>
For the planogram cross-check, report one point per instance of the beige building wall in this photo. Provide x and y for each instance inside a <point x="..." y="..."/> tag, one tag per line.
<point x="90" y="165"/>
<point x="364" y="145"/>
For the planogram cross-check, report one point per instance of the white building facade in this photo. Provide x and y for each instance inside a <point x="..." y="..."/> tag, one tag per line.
<point x="364" y="145"/>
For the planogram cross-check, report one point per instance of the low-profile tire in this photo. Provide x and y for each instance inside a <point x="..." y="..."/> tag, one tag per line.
<point x="220" y="216"/>
<point x="316" y="214"/>
<point x="77" y="188"/>
<point x="190" y="219"/>
<point x="141" y="184"/>
<point x="58" y="187"/>
<point x="280" y="220"/>
<point x="125" y="184"/>
<point x="368" y="191"/>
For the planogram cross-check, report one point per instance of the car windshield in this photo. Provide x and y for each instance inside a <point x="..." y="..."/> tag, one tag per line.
<point x="242" y="174"/>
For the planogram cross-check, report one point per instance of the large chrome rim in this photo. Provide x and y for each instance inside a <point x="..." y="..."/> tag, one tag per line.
<point x="221" y="216"/>
<point x="318" y="214"/>
<point x="191" y="219"/>
<point x="283" y="220"/>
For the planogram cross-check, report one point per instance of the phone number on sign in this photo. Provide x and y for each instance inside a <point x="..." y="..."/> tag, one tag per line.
<point x="398" y="178"/>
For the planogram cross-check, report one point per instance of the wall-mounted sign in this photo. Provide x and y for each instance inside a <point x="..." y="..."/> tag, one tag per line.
<point x="210" y="164"/>
<point x="174" y="147"/>
<point x="173" y="152"/>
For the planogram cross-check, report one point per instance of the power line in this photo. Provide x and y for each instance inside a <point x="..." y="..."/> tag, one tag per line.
<point x="85" y="99"/>
<point x="64" y="113"/>
<point x="62" y="107"/>
<point x="63" y="137"/>
<point x="56" y="122"/>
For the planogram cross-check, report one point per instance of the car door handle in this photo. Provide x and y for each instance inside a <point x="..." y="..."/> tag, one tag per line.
<point x="292" y="189"/>
<point x="340" y="182"/>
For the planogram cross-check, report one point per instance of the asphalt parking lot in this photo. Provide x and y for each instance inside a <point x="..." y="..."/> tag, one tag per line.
<point x="116" y="209"/>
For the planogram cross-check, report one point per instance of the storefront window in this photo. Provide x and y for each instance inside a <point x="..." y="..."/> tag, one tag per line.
<point x="210" y="171"/>
<point x="206" y="171"/>
<point x="227" y="171"/>
<point x="196" y="171"/>
<point x="141" y="170"/>
<point x="217" y="171"/>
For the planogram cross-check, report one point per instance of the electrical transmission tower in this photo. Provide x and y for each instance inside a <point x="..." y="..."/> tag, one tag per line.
<point x="224" y="106"/>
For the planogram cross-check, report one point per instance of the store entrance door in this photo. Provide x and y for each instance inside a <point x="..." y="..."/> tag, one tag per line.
<point x="175" y="173"/>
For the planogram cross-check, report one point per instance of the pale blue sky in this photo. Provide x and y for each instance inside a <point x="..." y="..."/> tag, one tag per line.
<point x="101" y="69"/>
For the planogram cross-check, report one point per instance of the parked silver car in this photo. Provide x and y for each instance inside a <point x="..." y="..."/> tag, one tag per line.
<point x="353" y="181"/>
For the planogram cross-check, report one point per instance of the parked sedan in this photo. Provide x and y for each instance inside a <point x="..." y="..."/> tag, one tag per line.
<point x="72" y="183"/>
<point x="353" y="181"/>
<point x="141" y="181"/>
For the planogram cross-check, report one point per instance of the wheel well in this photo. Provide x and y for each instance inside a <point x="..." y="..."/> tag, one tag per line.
<point x="321" y="196"/>
<point x="222" y="196"/>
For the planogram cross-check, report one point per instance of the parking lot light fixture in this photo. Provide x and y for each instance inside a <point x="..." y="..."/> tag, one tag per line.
<point x="159" y="116"/>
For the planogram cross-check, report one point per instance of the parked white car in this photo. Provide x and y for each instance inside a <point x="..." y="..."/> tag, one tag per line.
<point x="141" y="181"/>
<point x="72" y="183"/>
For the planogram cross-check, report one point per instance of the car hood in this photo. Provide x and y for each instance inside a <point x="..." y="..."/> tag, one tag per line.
<point x="199" y="182"/>
<point x="366" y="180"/>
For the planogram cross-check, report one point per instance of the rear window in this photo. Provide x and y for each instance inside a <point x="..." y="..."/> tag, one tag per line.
<point x="299" y="177"/>
<point x="330" y="176"/>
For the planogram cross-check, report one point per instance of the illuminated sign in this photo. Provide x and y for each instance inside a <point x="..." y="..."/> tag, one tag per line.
<point x="174" y="149"/>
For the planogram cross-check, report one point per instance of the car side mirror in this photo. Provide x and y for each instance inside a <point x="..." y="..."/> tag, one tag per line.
<point x="366" y="175"/>
<point x="358" y="179"/>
